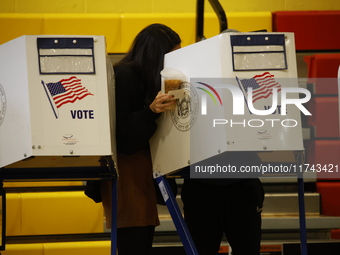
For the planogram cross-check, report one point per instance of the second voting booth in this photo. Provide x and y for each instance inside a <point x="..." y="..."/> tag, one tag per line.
<point x="240" y="95"/>
<point x="57" y="108"/>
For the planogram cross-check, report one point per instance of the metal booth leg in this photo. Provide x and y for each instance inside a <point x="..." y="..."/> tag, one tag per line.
<point x="302" y="214"/>
<point x="114" y="217"/>
<point x="302" y="217"/>
<point x="176" y="216"/>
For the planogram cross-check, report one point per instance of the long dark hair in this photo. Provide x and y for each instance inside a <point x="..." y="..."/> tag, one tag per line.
<point x="146" y="55"/>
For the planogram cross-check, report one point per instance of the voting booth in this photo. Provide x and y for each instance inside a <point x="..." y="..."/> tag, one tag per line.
<point x="57" y="102"/>
<point x="57" y="111"/>
<point x="240" y="94"/>
<point x="237" y="115"/>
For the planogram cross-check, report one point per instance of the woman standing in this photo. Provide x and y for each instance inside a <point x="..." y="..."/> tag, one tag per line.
<point x="138" y="105"/>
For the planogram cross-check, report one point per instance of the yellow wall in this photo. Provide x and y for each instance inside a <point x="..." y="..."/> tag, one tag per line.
<point x="158" y="6"/>
<point x="120" y="29"/>
<point x="120" y="20"/>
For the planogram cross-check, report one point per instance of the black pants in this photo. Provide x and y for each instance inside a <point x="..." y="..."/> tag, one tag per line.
<point x="135" y="240"/>
<point x="233" y="209"/>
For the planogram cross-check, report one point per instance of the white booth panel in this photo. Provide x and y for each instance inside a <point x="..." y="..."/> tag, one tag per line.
<point x="209" y="121"/>
<point x="55" y="98"/>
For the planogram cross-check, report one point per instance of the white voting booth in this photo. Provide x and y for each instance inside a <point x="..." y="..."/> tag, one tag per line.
<point x="215" y="115"/>
<point x="57" y="111"/>
<point x="56" y="102"/>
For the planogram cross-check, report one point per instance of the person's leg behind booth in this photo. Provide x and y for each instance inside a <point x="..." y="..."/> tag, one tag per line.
<point x="202" y="215"/>
<point x="135" y="240"/>
<point x="242" y="223"/>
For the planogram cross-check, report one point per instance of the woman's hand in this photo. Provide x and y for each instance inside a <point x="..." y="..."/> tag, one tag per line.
<point x="160" y="102"/>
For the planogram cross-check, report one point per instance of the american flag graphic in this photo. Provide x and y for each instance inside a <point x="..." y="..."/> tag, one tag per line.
<point x="67" y="91"/>
<point x="262" y="85"/>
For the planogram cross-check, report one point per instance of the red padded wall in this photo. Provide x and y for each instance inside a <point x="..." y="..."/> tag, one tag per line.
<point x="314" y="30"/>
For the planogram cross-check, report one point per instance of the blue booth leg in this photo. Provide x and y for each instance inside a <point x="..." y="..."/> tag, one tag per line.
<point x="114" y="217"/>
<point x="176" y="215"/>
<point x="302" y="216"/>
